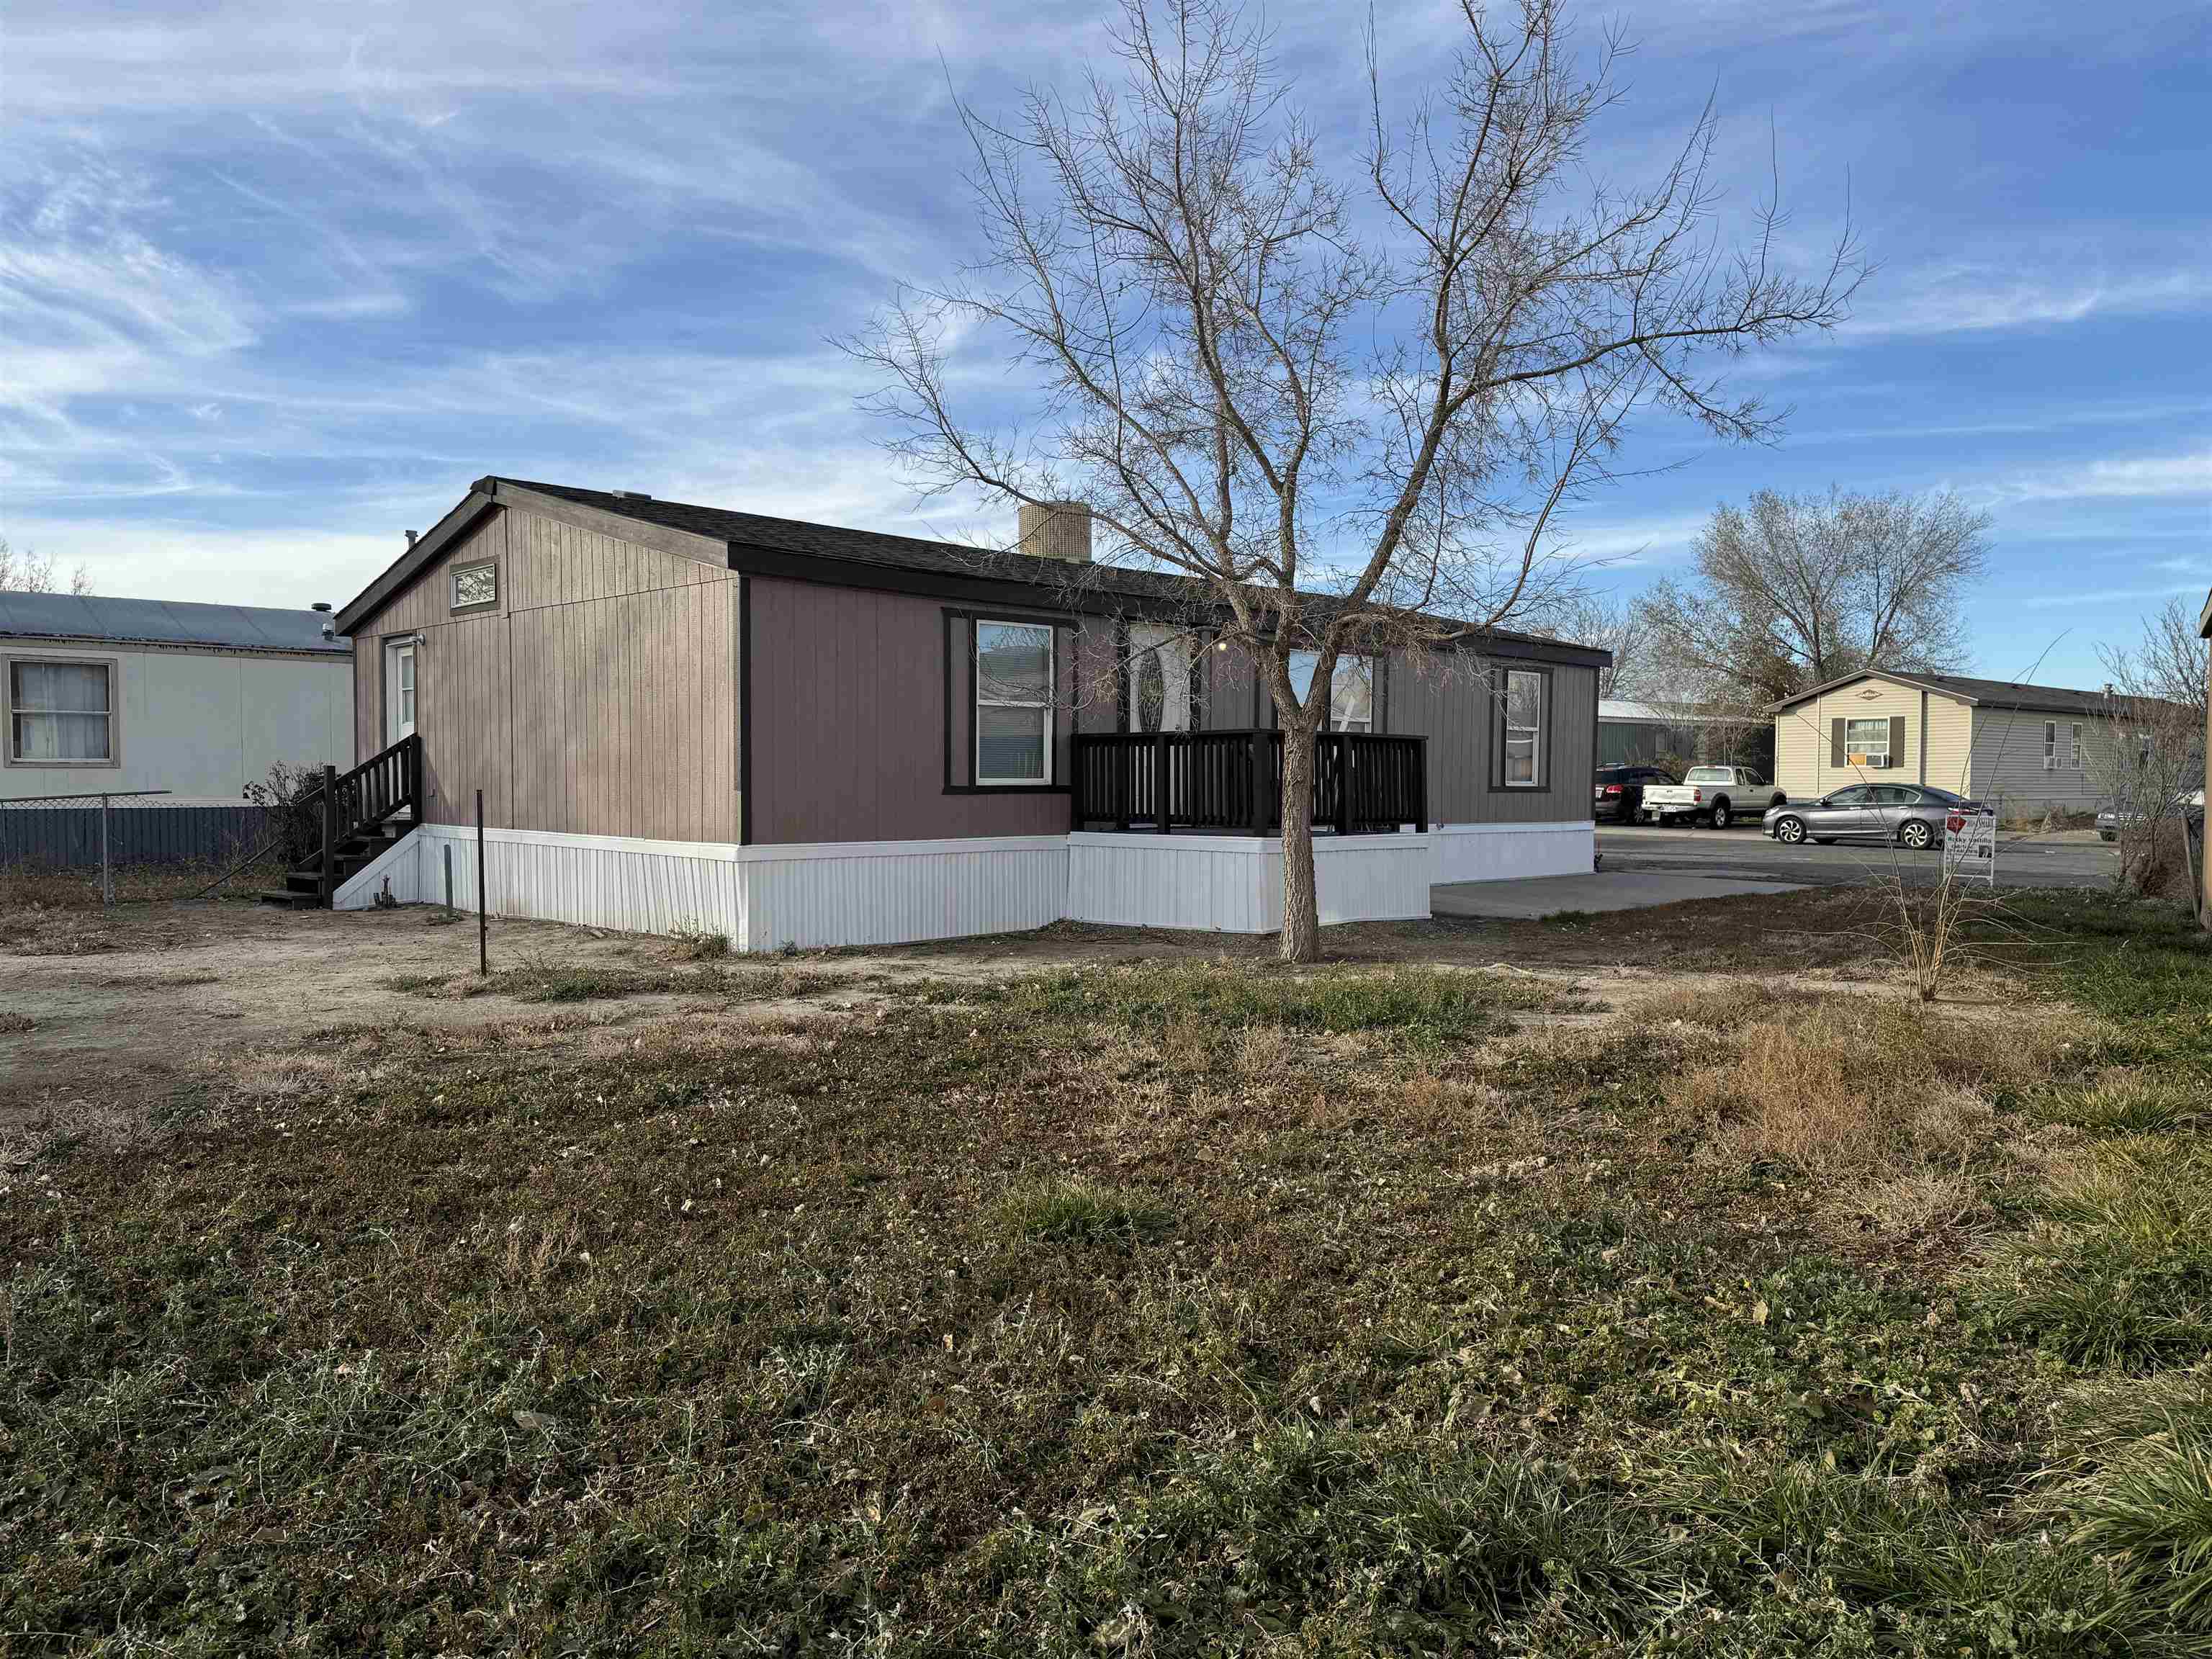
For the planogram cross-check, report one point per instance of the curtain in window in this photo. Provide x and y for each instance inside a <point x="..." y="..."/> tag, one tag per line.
<point x="61" y="711"/>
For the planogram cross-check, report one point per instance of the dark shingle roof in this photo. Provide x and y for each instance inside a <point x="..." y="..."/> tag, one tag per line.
<point x="2006" y="694"/>
<point x="1995" y="694"/>
<point x="870" y="547"/>
<point x="163" y="621"/>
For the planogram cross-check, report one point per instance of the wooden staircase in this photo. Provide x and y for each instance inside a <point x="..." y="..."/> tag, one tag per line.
<point x="363" y="813"/>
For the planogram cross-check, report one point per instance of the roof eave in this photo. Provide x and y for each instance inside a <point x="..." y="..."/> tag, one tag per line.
<point x="1826" y="686"/>
<point x="401" y="571"/>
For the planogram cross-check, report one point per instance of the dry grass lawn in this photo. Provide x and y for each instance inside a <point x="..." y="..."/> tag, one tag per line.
<point x="1121" y="1296"/>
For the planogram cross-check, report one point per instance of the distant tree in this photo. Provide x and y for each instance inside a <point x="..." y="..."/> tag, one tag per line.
<point x="1613" y="623"/>
<point x="2167" y="663"/>
<point x="34" y="572"/>
<point x="2151" y="761"/>
<point x="1376" y="383"/>
<point x="1790" y="591"/>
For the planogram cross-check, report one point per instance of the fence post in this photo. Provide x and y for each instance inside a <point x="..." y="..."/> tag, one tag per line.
<point x="1343" y="747"/>
<point x="106" y="869"/>
<point x="484" y="958"/>
<point x="324" y="885"/>
<point x="1160" y="770"/>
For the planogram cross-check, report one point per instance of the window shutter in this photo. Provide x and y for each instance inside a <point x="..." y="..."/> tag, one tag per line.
<point x="1897" y="739"/>
<point x="1835" y="749"/>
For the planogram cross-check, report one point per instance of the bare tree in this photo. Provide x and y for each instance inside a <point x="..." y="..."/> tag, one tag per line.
<point x="1346" y="411"/>
<point x="1611" y="623"/>
<point x="34" y="572"/>
<point x="2168" y="663"/>
<point x="2149" y="757"/>
<point x="1792" y="591"/>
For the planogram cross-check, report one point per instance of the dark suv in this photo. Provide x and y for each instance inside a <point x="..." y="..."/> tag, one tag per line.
<point x="1618" y="791"/>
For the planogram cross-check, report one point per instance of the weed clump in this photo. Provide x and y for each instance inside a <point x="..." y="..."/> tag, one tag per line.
<point x="1857" y="1084"/>
<point x="2117" y="1269"/>
<point x="1072" y="1211"/>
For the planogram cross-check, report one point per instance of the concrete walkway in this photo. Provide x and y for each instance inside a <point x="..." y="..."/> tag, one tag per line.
<point x="1608" y="890"/>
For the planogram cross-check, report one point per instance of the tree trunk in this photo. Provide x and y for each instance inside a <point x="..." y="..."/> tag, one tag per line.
<point x="1301" y="905"/>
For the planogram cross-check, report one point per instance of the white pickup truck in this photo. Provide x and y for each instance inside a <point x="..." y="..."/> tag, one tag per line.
<point x="1719" y="794"/>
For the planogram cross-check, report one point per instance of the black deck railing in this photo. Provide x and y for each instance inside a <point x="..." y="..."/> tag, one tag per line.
<point x="1232" y="782"/>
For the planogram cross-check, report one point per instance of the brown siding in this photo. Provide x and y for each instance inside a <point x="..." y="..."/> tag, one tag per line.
<point x="1098" y="675"/>
<point x="597" y="698"/>
<point x="367" y="699"/>
<point x="1448" y="699"/>
<point x="850" y="726"/>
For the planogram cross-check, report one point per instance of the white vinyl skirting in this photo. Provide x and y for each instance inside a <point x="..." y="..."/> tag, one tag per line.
<point x="1513" y="851"/>
<point x="761" y="898"/>
<point x="1234" y="884"/>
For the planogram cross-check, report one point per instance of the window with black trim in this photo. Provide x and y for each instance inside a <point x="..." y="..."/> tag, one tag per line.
<point x="1351" y="691"/>
<point x="476" y="585"/>
<point x="1013" y="702"/>
<point x="61" y="713"/>
<point x="1523" y="712"/>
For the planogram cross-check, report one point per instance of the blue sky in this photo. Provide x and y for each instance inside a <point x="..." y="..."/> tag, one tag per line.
<point x="277" y="281"/>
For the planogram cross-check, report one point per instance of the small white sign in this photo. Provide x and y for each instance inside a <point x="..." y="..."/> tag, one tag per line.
<point x="1969" y="847"/>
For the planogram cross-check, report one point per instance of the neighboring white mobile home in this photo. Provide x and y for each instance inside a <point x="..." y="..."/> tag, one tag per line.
<point x="198" y="700"/>
<point x="2023" y="748"/>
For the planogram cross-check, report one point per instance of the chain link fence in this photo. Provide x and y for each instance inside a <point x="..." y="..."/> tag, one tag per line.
<point x="134" y="846"/>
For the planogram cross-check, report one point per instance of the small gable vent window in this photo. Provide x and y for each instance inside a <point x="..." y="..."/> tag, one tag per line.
<point x="476" y="585"/>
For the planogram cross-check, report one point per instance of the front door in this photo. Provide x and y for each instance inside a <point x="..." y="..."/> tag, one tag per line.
<point x="398" y="690"/>
<point x="1159" y="678"/>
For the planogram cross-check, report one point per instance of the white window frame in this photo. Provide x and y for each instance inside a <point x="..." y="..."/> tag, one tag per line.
<point x="2077" y="745"/>
<point x="112" y="666"/>
<point x="978" y="703"/>
<point x="1536" y="732"/>
<point x="1311" y="660"/>
<point x="398" y="694"/>
<point x="454" y="599"/>
<point x="2051" y="745"/>
<point x="1867" y="752"/>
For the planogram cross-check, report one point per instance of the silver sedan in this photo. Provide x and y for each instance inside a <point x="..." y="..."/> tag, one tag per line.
<point x="1910" y="815"/>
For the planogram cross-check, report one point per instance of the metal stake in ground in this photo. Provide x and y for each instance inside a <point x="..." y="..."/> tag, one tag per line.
<point x="106" y="870"/>
<point x="484" y="958"/>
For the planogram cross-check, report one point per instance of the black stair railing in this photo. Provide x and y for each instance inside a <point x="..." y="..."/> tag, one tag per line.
<point x="350" y="804"/>
<point x="1232" y="782"/>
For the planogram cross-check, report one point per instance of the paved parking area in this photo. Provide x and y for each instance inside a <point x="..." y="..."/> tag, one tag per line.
<point x="1608" y="890"/>
<point x="2067" y="858"/>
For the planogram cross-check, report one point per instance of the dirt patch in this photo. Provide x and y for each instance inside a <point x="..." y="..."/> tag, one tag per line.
<point x="152" y="1006"/>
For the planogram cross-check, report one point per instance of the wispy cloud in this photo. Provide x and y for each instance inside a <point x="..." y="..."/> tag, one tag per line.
<point x="2189" y="473"/>
<point x="1961" y="299"/>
